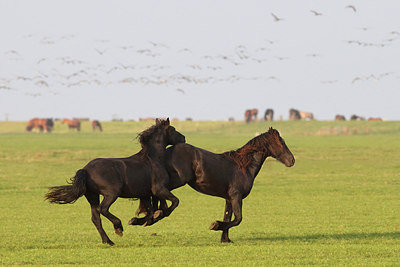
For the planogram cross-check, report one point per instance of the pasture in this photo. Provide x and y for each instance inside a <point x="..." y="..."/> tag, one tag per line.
<point x="339" y="204"/>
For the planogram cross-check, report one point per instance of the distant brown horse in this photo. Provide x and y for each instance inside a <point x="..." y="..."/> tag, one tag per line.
<point x="42" y="124"/>
<point x="340" y="118"/>
<point x="72" y="124"/>
<point x="374" y="119"/>
<point x="306" y="115"/>
<point x="96" y="125"/>
<point x="251" y="115"/>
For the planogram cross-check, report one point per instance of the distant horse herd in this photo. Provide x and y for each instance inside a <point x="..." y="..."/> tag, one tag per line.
<point x="46" y="125"/>
<point x="250" y="115"/>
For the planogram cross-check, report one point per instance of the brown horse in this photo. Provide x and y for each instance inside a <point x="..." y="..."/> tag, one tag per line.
<point x="96" y="125"/>
<point x="228" y="175"/>
<point x="340" y="118"/>
<point x="251" y="115"/>
<point x="375" y="119"/>
<point x="72" y="124"/>
<point x="42" y="124"/>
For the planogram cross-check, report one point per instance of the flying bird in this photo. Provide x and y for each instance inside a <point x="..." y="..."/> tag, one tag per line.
<point x="316" y="13"/>
<point x="352" y="7"/>
<point x="180" y="90"/>
<point x="276" y="19"/>
<point x="100" y="52"/>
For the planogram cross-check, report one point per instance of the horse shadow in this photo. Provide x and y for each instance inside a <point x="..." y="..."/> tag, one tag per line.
<point x="321" y="237"/>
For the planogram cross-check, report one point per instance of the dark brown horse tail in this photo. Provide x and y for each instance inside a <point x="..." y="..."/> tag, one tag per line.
<point x="69" y="193"/>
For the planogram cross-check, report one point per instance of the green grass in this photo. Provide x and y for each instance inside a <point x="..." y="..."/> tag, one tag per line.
<point x="339" y="204"/>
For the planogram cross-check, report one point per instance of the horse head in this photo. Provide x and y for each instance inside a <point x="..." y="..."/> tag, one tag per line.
<point x="173" y="137"/>
<point x="278" y="149"/>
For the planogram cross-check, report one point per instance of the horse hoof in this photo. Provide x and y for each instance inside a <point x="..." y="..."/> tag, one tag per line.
<point x="109" y="242"/>
<point x="157" y="214"/>
<point x="118" y="231"/>
<point x="226" y="241"/>
<point x="214" y="226"/>
<point x="133" y="221"/>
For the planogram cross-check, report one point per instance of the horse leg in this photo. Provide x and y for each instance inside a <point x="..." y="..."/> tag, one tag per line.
<point x="236" y="203"/>
<point x="164" y="194"/>
<point x="227" y="218"/>
<point x="94" y="201"/>
<point x="144" y="203"/>
<point x="104" y="210"/>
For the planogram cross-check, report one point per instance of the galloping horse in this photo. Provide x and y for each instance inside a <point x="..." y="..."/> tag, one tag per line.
<point x="73" y="124"/>
<point x="269" y="115"/>
<point x="251" y="115"/>
<point x="42" y="124"/>
<point x="139" y="176"/>
<point x="229" y="175"/>
<point x="96" y="125"/>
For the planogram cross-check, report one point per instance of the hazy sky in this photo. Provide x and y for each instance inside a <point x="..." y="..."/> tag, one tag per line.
<point x="208" y="60"/>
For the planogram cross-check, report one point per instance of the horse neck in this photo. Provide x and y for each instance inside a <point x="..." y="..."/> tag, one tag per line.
<point x="155" y="148"/>
<point x="252" y="155"/>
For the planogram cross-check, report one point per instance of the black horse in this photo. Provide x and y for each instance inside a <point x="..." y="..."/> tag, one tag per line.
<point x="269" y="115"/>
<point x="229" y="175"/>
<point x="139" y="176"/>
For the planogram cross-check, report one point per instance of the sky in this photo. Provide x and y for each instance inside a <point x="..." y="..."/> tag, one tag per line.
<point x="205" y="60"/>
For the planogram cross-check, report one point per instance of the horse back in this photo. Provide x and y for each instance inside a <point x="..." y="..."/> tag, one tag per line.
<point x="126" y="177"/>
<point x="203" y="170"/>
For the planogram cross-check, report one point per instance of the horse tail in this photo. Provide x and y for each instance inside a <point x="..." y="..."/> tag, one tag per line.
<point x="69" y="193"/>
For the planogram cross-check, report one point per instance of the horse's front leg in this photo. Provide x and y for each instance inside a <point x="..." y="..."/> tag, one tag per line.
<point x="227" y="218"/>
<point x="146" y="208"/>
<point x="224" y="226"/>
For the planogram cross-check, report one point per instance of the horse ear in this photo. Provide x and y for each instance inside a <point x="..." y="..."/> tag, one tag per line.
<point x="168" y="120"/>
<point x="158" y="121"/>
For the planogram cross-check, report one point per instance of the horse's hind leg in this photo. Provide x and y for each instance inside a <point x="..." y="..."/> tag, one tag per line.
<point x="104" y="210"/>
<point x="94" y="201"/>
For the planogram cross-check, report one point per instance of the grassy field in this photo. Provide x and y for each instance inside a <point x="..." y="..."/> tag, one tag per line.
<point x="339" y="204"/>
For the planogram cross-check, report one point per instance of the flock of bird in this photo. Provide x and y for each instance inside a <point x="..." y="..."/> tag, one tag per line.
<point x="129" y="64"/>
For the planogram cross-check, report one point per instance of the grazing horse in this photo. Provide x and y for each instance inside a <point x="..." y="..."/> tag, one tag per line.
<point x="375" y="119"/>
<point x="306" y="115"/>
<point x="340" y="118"/>
<point x="251" y="115"/>
<point x="42" y="124"/>
<point x="139" y="176"/>
<point x="96" y="125"/>
<point x="269" y="115"/>
<point x="73" y="124"/>
<point x="294" y="114"/>
<point x="356" y="118"/>
<point x="229" y="175"/>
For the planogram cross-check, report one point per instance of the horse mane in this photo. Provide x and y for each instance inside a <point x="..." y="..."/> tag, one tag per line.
<point x="243" y="157"/>
<point x="145" y="136"/>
